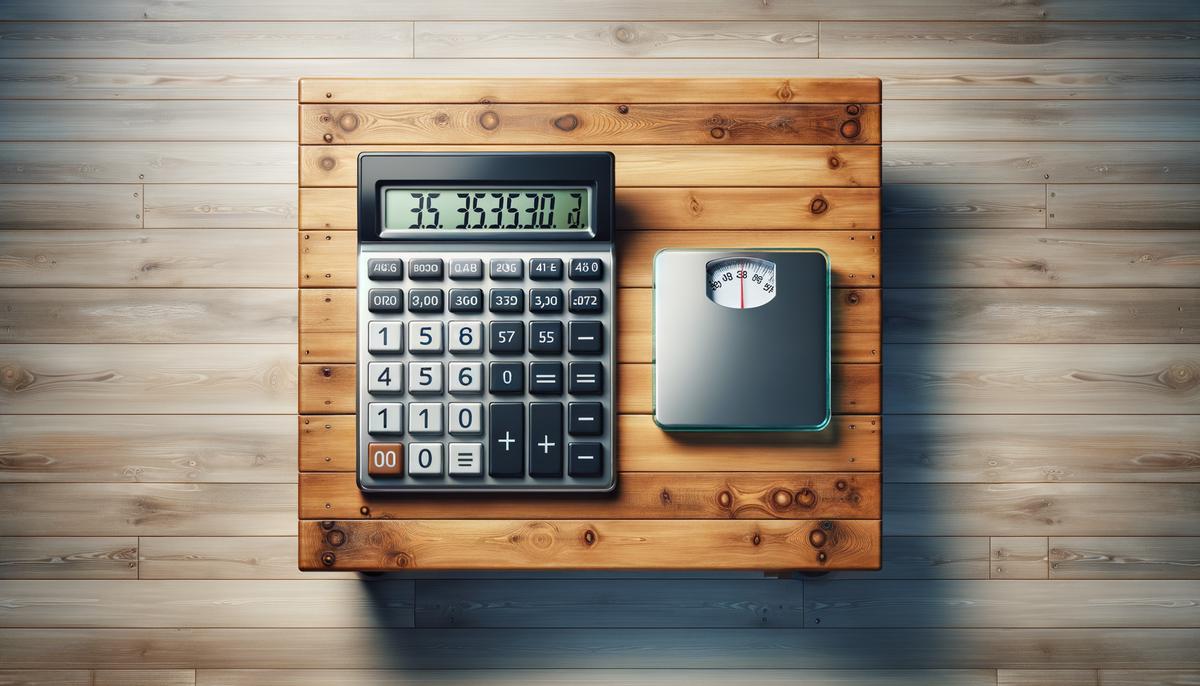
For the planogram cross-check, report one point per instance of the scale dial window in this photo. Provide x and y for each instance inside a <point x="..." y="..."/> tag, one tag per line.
<point x="740" y="283"/>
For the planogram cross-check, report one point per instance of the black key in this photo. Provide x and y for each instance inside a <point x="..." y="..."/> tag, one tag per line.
<point x="507" y="337"/>
<point x="425" y="300"/>
<point x="466" y="300"/>
<point x="546" y="337"/>
<point x="506" y="300"/>
<point x="425" y="268"/>
<point x="507" y="377"/>
<point x="545" y="268"/>
<point x="466" y="269"/>
<point x="586" y="337"/>
<point x="385" y="300"/>
<point x="545" y="300"/>
<point x="545" y="378"/>
<point x="585" y="378"/>
<point x="586" y="269"/>
<point x="587" y="300"/>
<point x="385" y="270"/>
<point x="506" y="440"/>
<point x="585" y="419"/>
<point x="586" y="459"/>
<point x="545" y="439"/>
<point x="506" y="268"/>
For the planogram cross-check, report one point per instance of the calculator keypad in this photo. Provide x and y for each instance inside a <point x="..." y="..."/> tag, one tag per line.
<point x="487" y="371"/>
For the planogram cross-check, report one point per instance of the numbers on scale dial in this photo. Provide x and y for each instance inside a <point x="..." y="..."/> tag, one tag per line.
<point x="740" y="283"/>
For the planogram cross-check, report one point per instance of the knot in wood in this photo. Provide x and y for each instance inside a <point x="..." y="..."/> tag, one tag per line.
<point x="835" y="162"/>
<point x="489" y="120"/>
<point x="818" y="205"/>
<point x="623" y="109"/>
<point x="821" y="556"/>
<point x="624" y="34"/>
<point x="329" y="95"/>
<point x="853" y="298"/>
<point x="364" y="510"/>
<point x="589" y="537"/>
<point x="817" y="538"/>
<point x="1180" y="377"/>
<point x="785" y="92"/>
<point x="724" y="499"/>
<point x="327" y="372"/>
<point x="806" y="498"/>
<point x="328" y="559"/>
<point x="717" y="132"/>
<point x="781" y="499"/>
<point x="840" y="484"/>
<point x="403" y="560"/>
<point x="694" y="205"/>
<point x="327" y="525"/>
<point x="665" y="497"/>
<point x="757" y="538"/>
<point x="567" y="122"/>
<point x="328" y="138"/>
<point x="327" y="163"/>
<point x="826" y="525"/>
<point x="336" y="537"/>
<point x="853" y="110"/>
<point x="850" y="128"/>
<point x="348" y="121"/>
<point x="442" y="119"/>
<point x="325" y="118"/>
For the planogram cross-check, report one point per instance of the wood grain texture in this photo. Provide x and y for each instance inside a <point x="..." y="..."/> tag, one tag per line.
<point x="65" y="557"/>
<point x="1037" y="677"/>
<point x="46" y="677"/>
<point x="148" y="120"/>
<point x="1019" y="557"/>
<point x="221" y="206"/>
<point x="957" y="206"/>
<point x="144" y="677"/>
<point x="74" y="206"/>
<point x="1142" y="207"/>
<point x="222" y="557"/>
<point x="1028" y="120"/>
<point x="1115" y="557"/>
<point x="97" y="162"/>
<point x="928" y="557"/>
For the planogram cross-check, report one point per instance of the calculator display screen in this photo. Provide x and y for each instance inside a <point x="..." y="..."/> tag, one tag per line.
<point x="483" y="209"/>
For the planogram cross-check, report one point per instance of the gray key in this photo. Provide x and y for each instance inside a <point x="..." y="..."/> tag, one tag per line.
<point x="466" y="269"/>
<point x="507" y="268"/>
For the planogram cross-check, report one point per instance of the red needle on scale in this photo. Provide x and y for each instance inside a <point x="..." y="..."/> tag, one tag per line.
<point x="742" y="291"/>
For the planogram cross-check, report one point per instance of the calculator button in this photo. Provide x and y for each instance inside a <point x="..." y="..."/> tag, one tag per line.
<point x="507" y="337"/>
<point x="466" y="459"/>
<point x="545" y="268"/>
<point x="587" y="301"/>
<point x="425" y="459"/>
<point x="429" y="268"/>
<point x="424" y="377"/>
<point x="506" y="300"/>
<point x="385" y="377"/>
<point x="506" y="268"/>
<point x="425" y="336"/>
<point x="586" y="269"/>
<point x="585" y="378"/>
<point x="546" y="337"/>
<point x="385" y="418"/>
<point x="545" y="439"/>
<point x="466" y="418"/>
<point x="545" y="300"/>
<point x="385" y="269"/>
<point x="585" y="419"/>
<point x="385" y="300"/>
<point x="385" y="337"/>
<point x="466" y="300"/>
<point x="425" y="419"/>
<point x="586" y="459"/>
<point x="466" y="337"/>
<point x="385" y="459"/>
<point x="506" y="440"/>
<point x="466" y="269"/>
<point x="507" y="377"/>
<point x="586" y="337"/>
<point x="466" y="377"/>
<point x="546" y="378"/>
<point x="425" y="300"/>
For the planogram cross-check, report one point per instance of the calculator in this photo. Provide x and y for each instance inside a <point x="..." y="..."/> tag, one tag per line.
<point x="486" y="340"/>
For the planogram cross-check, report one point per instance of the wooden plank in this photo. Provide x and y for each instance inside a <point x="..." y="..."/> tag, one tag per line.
<point x="328" y="443"/>
<point x="222" y="557"/>
<point x="1094" y="206"/>
<point x="1039" y="677"/>
<point x="1047" y="448"/>
<point x="150" y="315"/>
<point x="1028" y="120"/>
<point x="47" y="677"/>
<point x="1041" y="162"/>
<point x="144" y="677"/>
<point x="641" y="495"/>
<point x="963" y="206"/>
<point x="1041" y="257"/>
<point x="221" y="206"/>
<point x="388" y="545"/>
<point x="1011" y="604"/>
<point x="328" y="603"/>
<point x="327" y="347"/>
<point x="30" y="557"/>
<point x="1022" y="40"/>
<point x="1019" y="557"/>
<point x="1148" y="677"/>
<point x="73" y="206"/>
<point x="636" y="166"/>
<point x="1131" y="557"/>
<point x="148" y="448"/>
<point x="1049" y="378"/>
<point x="1063" y="509"/>
<point x="71" y="509"/>
<point x="928" y="557"/>
<point x="200" y="379"/>
<point x="637" y="123"/>
<point x="531" y="39"/>
<point x="212" y="40"/>
<point x="95" y="162"/>
<point x="149" y="120"/>
<point x="253" y="258"/>
<point x="1042" y="315"/>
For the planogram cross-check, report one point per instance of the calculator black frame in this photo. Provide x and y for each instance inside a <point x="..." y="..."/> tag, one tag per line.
<point x="378" y="171"/>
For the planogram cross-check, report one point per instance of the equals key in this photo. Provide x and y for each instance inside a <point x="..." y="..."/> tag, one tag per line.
<point x="585" y="378"/>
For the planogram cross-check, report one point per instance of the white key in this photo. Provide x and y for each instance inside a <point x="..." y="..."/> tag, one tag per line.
<point x="425" y="377"/>
<point x="466" y="418"/>
<point x="466" y="459"/>
<point x="425" y="337"/>
<point x="385" y="418"/>
<point x="425" y="418"/>
<point x="385" y="337"/>
<point x="466" y="377"/>
<point x="425" y="459"/>
<point x="466" y="337"/>
<point x="385" y="377"/>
